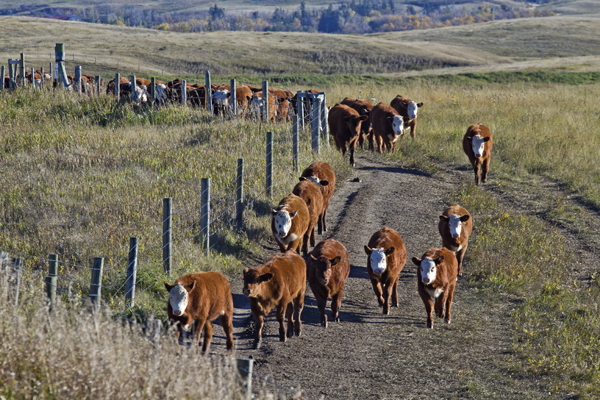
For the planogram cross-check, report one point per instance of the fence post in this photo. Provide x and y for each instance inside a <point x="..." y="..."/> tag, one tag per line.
<point x="18" y="266"/>
<point x="232" y="98"/>
<point x="167" y="233"/>
<point x="300" y="108"/>
<point x="316" y="145"/>
<point x="42" y="83"/>
<point x="152" y="90"/>
<point x="324" y="122"/>
<point x="22" y="70"/>
<point x="265" y="96"/>
<point x="51" y="76"/>
<point x="78" y="79"/>
<point x="96" y="283"/>
<point x="98" y="85"/>
<point x="11" y="75"/>
<point x="51" y="279"/>
<point x="131" y="271"/>
<point x="208" y="92"/>
<point x="269" y="160"/>
<point x="59" y="52"/>
<point x="183" y="92"/>
<point x="205" y="215"/>
<point x="132" y="89"/>
<point x="239" y="205"/>
<point x="117" y="86"/>
<point x="33" y="77"/>
<point x="244" y="366"/>
<point x="295" y="142"/>
<point x="2" y="74"/>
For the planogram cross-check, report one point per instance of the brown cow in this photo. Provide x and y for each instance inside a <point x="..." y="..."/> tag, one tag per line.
<point x="455" y="227"/>
<point x="290" y="222"/>
<point x="110" y="88"/>
<point x="436" y="279"/>
<point x="281" y="283"/>
<point x="386" y="258"/>
<point x="387" y="126"/>
<point x="477" y="145"/>
<point x="310" y="192"/>
<point x="328" y="268"/>
<point x="345" y="126"/>
<point x="322" y="174"/>
<point x="363" y="107"/>
<point x="198" y="299"/>
<point x="255" y="105"/>
<point x="408" y="109"/>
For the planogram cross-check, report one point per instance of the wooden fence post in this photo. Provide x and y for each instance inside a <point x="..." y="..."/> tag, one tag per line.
<point x="59" y="52"/>
<point x="316" y="143"/>
<point x="244" y="366"/>
<point x="18" y="267"/>
<point x="96" y="282"/>
<point x="265" y="96"/>
<point x="42" y="82"/>
<point x="239" y="205"/>
<point x="51" y="279"/>
<point x="183" y="92"/>
<point x="208" y="92"/>
<point x="78" y="79"/>
<point x="167" y="233"/>
<point x="131" y="271"/>
<point x="232" y="98"/>
<point x="117" y="86"/>
<point x="22" y="70"/>
<point x="2" y="74"/>
<point x="205" y="215"/>
<point x="33" y="77"/>
<point x="300" y="107"/>
<point x="269" y="162"/>
<point x="51" y="76"/>
<point x="98" y="85"/>
<point x="132" y="90"/>
<point x="12" y="74"/>
<point x="152" y="90"/>
<point x="295" y="143"/>
<point x="324" y="122"/>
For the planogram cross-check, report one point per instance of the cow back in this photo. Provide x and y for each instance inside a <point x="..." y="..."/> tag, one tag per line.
<point x="379" y="117"/>
<point x="300" y="222"/>
<point x="311" y="194"/>
<point x="329" y="249"/>
<point x="323" y="171"/>
<point x="289" y="277"/>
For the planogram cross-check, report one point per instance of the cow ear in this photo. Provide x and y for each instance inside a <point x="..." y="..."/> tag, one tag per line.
<point x="324" y="183"/>
<point x="273" y="211"/>
<point x="264" y="278"/>
<point x="444" y="217"/>
<point x="312" y="256"/>
<point x="390" y="118"/>
<point x="248" y="98"/>
<point x="438" y="260"/>
<point x="420" y="104"/>
<point x="390" y="250"/>
<point x="168" y="287"/>
<point x="245" y="271"/>
<point x="465" y="218"/>
<point x="302" y="178"/>
<point x="293" y="214"/>
<point x="417" y="261"/>
<point x="486" y="139"/>
<point x="469" y="139"/>
<point x="363" y="117"/>
<point x="335" y="260"/>
<point x="368" y="250"/>
<point x="191" y="287"/>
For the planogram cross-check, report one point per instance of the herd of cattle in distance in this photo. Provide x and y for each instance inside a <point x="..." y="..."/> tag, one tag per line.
<point x="197" y="299"/>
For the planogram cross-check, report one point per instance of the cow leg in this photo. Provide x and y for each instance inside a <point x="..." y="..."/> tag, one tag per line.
<point x="289" y="314"/>
<point x="377" y="290"/>
<point x="449" y="302"/>
<point x="353" y="144"/>
<point x="281" y="310"/>
<point x="371" y="139"/>
<point x="413" y="128"/>
<point x="386" y="298"/>
<point x="313" y="239"/>
<point x="320" y="224"/>
<point x="395" y="292"/>
<point x="361" y="140"/>
<point x="197" y="328"/>
<point x="484" y="169"/>
<point x="325" y="208"/>
<point x="208" y="334"/>
<point x="282" y="247"/>
<point x="459" y="257"/>
<point x="259" y="321"/>
<point x="227" y="323"/>
<point x="336" y="303"/>
<point x="428" y="308"/>
<point x="297" y="244"/>
<point x="476" y="169"/>
<point x="305" y="242"/>
<point x="298" y="306"/>
<point x="321" y="304"/>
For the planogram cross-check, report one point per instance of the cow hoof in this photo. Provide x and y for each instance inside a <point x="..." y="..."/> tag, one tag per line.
<point x="282" y="338"/>
<point x="324" y="324"/>
<point x="386" y="312"/>
<point x="447" y="321"/>
<point x="429" y="326"/>
<point x="257" y="343"/>
<point x="337" y="319"/>
<point x="395" y="304"/>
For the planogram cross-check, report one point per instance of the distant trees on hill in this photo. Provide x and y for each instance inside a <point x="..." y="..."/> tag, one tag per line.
<point x="356" y="16"/>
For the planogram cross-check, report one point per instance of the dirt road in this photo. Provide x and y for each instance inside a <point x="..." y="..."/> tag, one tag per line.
<point x="372" y="356"/>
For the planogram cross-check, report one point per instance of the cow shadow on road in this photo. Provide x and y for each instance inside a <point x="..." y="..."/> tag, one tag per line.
<point x="358" y="271"/>
<point x="396" y="170"/>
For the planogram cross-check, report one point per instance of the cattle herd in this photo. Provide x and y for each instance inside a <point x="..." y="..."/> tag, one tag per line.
<point x="196" y="299"/>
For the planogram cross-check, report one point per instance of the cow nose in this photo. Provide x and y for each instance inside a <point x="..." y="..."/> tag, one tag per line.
<point x="477" y="155"/>
<point x="324" y="281"/>
<point x="177" y="312"/>
<point x="246" y="292"/>
<point x="455" y="235"/>
<point x="425" y="280"/>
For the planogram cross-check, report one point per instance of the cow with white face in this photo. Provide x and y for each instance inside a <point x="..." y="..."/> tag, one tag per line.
<point x="386" y="258"/>
<point x="161" y="93"/>
<point x="437" y="270"/>
<point x="409" y="111"/>
<point x="195" y="300"/>
<point x="477" y="145"/>
<point x="455" y="227"/>
<point x="387" y="127"/>
<point x="289" y="222"/>
<point x="397" y="128"/>
<point x="220" y="100"/>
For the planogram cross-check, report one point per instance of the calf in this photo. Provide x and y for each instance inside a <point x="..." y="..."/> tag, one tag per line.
<point x="322" y="174"/>
<point x="408" y="109"/>
<point x="327" y="269"/>
<point x="477" y="144"/>
<point x="310" y="192"/>
<point x="387" y="127"/>
<point x="110" y="88"/>
<point x="199" y="299"/>
<point x="290" y="222"/>
<point x="363" y="107"/>
<point x="386" y="258"/>
<point x="281" y="283"/>
<point x="455" y="227"/>
<point x="436" y="280"/>
<point x="345" y="126"/>
<point x="256" y="105"/>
